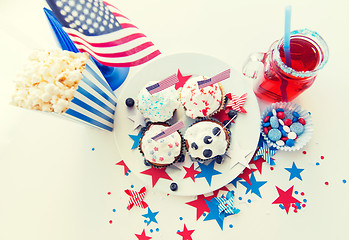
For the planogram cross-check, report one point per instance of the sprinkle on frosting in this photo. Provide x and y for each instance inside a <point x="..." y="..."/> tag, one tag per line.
<point x="200" y="102"/>
<point x="160" y="106"/>
<point x="161" y="152"/>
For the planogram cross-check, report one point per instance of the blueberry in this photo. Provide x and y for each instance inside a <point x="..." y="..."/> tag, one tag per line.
<point x="207" y="139"/>
<point x="226" y="122"/>
<point x="232" y="113"/>
<point x="217" y="131"/>
<point x="226" y="99"/>
<point x="194" y="146"/>
<point x="181" y="158"/>
<point x="143" y="129"/>
<point x="146" y="163"/>
<point x="130" y="102"/>
<point x="173" y="186"/>
<point x="207" y="153"/>
<point x="219" y="159"/>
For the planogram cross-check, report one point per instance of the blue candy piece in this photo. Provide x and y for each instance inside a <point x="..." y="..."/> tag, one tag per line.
<point x="270" y="114"/>
<point x="274" y="122"/>
<point x="295" y="119"/>
<point x="295" y="114"/>
<point x="279" y="110"/>
<point x="290" y="142"/>
<point x="267" y="124"/>
<point x="297" y="128"/>
<point x="284" y="134"/>
<point x="274" y="135"/>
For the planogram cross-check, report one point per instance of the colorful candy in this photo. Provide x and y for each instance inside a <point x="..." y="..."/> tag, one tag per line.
<point x="274" y="135"/>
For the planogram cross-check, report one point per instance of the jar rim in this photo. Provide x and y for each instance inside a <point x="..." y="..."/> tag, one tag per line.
<point x="302" y="74"/>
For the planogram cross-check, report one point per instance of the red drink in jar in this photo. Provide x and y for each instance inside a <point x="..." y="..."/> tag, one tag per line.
<point x="279" y="82"/>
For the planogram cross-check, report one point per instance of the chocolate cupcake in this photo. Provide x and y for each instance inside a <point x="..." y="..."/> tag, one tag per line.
<point x="163" y="152"/>
<point x="204" y="102"/>
<point x="207" y="140"/>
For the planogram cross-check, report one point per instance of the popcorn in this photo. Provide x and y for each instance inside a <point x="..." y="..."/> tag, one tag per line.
<point x="49" y="80"/>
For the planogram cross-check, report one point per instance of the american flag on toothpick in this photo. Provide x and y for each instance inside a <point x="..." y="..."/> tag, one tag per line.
<point x="166" y="83"/>
<point x="169" y="131"/>
<point x="104" y="32"/>
<point x="215" y="79"/>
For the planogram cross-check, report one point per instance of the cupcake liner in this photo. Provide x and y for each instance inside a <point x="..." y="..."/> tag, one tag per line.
<point x="290" y="107"/>
<point x="94" y="102"/>
<point x="215" y="157"/>
<point x="167" y="165"/>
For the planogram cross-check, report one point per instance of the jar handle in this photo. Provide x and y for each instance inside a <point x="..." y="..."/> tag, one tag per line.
<point x="253" y="65"/>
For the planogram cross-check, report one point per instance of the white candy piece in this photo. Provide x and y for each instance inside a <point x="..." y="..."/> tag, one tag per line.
<point x="281" y="122"/>
<point x="286" y="129"/>
<point x="292" y="135"/>
<point x="274" y="112"/>
<point x="280" y="143"/>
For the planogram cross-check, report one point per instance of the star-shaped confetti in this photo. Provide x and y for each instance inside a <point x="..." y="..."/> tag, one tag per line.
<point x="266" y="153"/>
<point x="236" y="103"/>
<point x="200" y="204"/>
<point x="151" y="215"/>
<point x="156" y="174"/>
<point x="181" y="80"/>
<point x="122" y="163"/>
<point x="295" y="172"/>
<point x="254" y="186"/>
<point x="138" y="119"/>
<point x="136" y="139"/>
<point x="186" y="234"/>
<point x="285" y="198"/>
<point x="136" y="198"/>
<point x="238" y="155"/>
<point x="245" y="175"/>
<point x="142" y="236"/>
<point x="214" y="213"/>
<point x="207" y="172"/>
<point x="190" y="172"/>
<point x="258" y="163"/>
<point x="235" y="181"/>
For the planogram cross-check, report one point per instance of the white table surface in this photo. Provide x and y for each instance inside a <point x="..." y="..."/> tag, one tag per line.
<point x="54" y="186"/>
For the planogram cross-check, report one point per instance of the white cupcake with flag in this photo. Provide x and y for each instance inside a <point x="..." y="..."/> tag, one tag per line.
<point x="66" y="83"/>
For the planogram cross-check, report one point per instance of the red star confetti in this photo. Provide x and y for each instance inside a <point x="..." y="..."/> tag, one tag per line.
<point x="200" y="205"/>
<point x="191" y="172"/>
<point x="122" y="163"/>
<point x="285" y="198"/>
<point x="181" y="79"/>
<point x="136" y="198"/>
<point x="246" y="174"/>
<point x="156" y="174"/>
<point x="142" y="236"/>
<point x="215" y="193"/>
<point x="236" y="103"/>
<point x="258" y="163"/>
<point x="186" y="234"/>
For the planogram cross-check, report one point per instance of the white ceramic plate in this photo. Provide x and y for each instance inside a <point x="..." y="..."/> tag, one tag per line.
<point x="244" y="133"/>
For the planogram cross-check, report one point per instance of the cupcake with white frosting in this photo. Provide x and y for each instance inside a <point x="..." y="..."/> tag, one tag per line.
<point x="163" y="152"/>
<point x="160" y="106"/>
<point x="204" y="102"/>
<point x="207" y="140"/>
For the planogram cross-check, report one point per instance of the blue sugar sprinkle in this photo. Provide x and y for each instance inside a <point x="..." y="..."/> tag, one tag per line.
<point x="114" y="210"/>
<point x="157" y="229"/>
<point x="305" y="200"/>
<point x="296" y="192"/>
<point x="93" y="149"/>
<point x="249" y="201"/>
<point x="145" y="221"/>
<point x="281" y="206"/>
<point x="317" y="164"/>
<point x="132" y="186"/>
<point x="204" y="214"/>
<point x="180" y="218"/>
<point x="240" y="198"/>
<point x="344" y="181"/>
<point x="151" y="230"/>
<point x="231" y="225"/>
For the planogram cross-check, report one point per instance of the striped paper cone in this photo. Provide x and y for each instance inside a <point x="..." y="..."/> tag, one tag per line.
<point x="94" y="102"/>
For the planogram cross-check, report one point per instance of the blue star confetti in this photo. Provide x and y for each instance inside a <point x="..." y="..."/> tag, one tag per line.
<point x="207" y="171"/>
<point x="254" y="187"/>
<point x="136" y="139"/>
<point x="151" y="215"/>
<point x="214" y="214"/>
<point x="295" y="172"/>
<point x="235" y="181"/>
<point x="266" y="153"/>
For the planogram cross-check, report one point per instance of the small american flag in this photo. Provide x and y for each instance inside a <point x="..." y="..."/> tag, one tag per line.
<point x="169" y="131"/>
<point x="167" y="82"/>
<point x="215" y="79"/>
<point x="101" y="30"/>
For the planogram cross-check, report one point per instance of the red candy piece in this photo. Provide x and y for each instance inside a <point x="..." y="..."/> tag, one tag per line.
<point x="288" y="122"/>
<point x="269" y="128"/>
<point x="266" y="119"/>
<point x="265" y="129"/>
<point x="284" y="139"/>
<point x="280" y="115"/>
<point x="301" y="121"/>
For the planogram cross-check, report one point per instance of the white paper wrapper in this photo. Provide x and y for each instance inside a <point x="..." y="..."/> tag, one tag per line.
<point x="94" y="102"/>
<point x="290" y="107"/>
